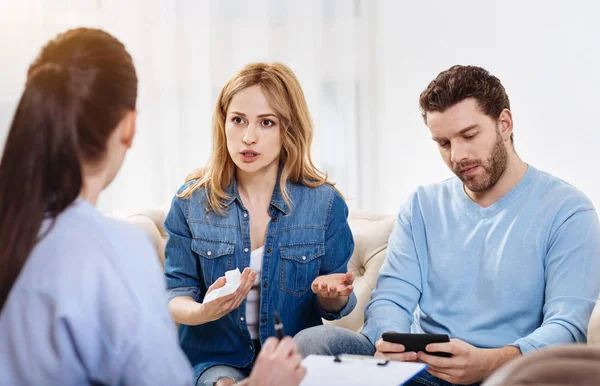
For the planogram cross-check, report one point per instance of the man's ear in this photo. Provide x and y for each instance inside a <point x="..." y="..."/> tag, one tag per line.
<point x="128" y="128"/>
<point x="505" y="123"/>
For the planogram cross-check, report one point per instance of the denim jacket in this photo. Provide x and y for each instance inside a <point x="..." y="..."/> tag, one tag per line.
<point x="310" y="239"/>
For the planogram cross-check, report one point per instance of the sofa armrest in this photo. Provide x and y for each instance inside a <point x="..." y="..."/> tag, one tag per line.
<point x="569" y="365"/>
<point x="150" y="221"/>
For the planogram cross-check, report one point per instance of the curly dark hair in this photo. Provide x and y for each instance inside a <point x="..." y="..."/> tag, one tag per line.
<point x="461" y="82"/>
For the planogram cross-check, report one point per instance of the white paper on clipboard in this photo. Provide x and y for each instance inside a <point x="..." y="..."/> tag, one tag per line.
<point x="352" y="371"/>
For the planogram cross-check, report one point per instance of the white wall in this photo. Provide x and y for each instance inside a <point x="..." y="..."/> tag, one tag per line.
<point x="185" y="50"/>
<point x="371" y="139"/>
<point x="547" y="55"/>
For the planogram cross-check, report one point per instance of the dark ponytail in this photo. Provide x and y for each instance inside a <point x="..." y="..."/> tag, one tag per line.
<point x="77" y="91"/>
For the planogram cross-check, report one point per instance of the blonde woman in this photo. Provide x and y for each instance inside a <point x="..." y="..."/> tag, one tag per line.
<point x="260" y="206"/>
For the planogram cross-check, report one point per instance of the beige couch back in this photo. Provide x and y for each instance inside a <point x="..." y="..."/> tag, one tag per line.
<point x="371" y="232"/>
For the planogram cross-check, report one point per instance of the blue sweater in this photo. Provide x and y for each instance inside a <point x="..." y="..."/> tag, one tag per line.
<point x="524" y="271"/>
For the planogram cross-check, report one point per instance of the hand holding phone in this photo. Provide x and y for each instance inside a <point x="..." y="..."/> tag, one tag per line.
<point x="417" y="342"/>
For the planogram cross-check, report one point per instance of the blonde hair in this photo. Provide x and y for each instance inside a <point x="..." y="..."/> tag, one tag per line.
<point x="285" y="95"/>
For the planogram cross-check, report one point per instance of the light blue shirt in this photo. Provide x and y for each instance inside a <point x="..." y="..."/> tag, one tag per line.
<point x="89" y="308"/>
<point x="524" y="271"/>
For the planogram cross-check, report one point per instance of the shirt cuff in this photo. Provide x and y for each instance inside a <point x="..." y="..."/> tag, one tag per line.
<point x="524" y="346"/>
<point x="341" y="313"/>
<point x="374" y="328"/>
<point x="193" y="292"/>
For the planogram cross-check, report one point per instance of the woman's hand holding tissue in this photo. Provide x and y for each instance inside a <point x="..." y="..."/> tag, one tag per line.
<point x="223" y="296"/>
<point x="216" y="309"/>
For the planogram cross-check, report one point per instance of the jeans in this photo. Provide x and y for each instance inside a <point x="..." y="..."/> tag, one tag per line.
<point x="333" y="340"/>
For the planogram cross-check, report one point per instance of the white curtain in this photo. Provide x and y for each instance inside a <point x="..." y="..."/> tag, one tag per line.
<point x="362" y="64"/>
<point x="184" y="51"/>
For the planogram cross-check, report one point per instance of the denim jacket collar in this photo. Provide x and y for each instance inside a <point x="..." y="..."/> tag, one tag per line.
<point x="277" y="200"/>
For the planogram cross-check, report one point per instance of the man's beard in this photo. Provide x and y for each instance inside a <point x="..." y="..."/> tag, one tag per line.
<point x="494" y="167"/>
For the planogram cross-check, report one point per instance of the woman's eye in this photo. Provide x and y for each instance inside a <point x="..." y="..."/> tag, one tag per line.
<point x="238" y="120"/>
<point x="268" y="123"/>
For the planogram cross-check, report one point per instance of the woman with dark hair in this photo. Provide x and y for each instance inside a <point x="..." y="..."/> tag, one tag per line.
<point x="81" y="295"/>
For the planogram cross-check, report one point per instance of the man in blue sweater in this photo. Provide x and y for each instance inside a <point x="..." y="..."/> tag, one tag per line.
<point x="505" y="258"/>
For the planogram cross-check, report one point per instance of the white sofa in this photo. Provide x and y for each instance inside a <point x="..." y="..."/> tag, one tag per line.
<point x="371" y="232"/>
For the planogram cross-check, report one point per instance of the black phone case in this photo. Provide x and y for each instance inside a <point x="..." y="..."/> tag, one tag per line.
<point x="418" y="342"/>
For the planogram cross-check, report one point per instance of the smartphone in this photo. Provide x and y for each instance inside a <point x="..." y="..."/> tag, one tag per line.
<point x="418" y="342"/>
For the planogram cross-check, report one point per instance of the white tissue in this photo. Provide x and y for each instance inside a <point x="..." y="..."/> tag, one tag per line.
<point x="233" y="282"/>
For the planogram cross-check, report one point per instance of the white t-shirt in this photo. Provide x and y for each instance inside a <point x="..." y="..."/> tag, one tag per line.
<point x="253" y="299"/>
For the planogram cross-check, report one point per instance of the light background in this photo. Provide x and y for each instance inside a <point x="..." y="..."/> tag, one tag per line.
<point x="362" y="64"/>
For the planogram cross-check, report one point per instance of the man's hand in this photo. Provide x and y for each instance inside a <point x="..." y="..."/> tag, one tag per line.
<point x="468" y="363"/>
<point x="394" y="352"/>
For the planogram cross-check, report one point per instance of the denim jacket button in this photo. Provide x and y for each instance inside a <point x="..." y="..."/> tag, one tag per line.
<point x="242" y="318"/>
<point x="264" y="320"/>
<point x="246" y="249"/>
<point x="268" y="250"/>
<point x="245" y="214"/>
<point x="251" y="347"/>
<point x="303" y="257"/>
<point x="209" y="253"/>
<point x="274" y="219"/>
<point x="265" y="284"/>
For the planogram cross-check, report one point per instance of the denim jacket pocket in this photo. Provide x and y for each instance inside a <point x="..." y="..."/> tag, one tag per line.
<point x="216" y="257"/>
<point x="299" y="266"/>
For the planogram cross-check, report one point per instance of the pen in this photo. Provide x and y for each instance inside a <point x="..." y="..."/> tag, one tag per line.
<point x="278" y="325"/>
